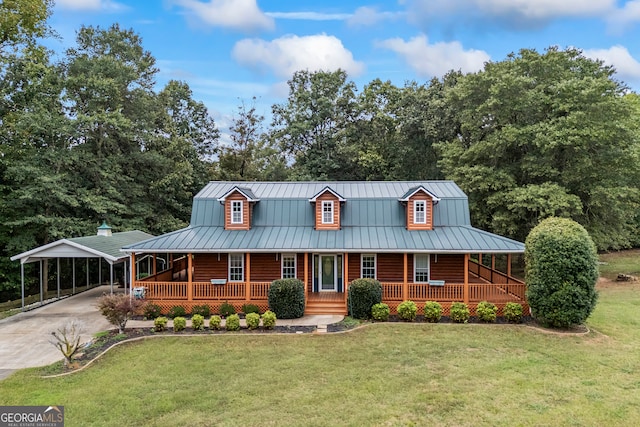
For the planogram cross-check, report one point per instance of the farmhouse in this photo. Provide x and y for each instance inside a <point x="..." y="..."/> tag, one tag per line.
<point x="414" y="237"/>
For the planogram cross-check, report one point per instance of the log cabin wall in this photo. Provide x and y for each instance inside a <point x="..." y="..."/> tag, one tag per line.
<point x="448" y="267"/>
<point x="207" y="267"/>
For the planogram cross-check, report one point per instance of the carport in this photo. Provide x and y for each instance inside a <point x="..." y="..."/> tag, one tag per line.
<point x="105" y="245"/>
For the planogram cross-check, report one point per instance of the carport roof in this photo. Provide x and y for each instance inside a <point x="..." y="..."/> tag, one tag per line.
<point x="107" y="247"/>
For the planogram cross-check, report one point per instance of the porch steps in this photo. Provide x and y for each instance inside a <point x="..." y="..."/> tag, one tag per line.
<point x="325" y="307"/>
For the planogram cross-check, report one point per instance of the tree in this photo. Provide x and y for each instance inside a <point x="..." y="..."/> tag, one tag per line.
<point x="118" y="309"/>
<point x="22" y="22"/>
<point x="536" y="133"/>
<point x="561" y="272"/>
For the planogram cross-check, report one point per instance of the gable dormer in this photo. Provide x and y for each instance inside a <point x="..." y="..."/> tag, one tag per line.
<point x="238" y="208"/>
<point x="327" y="209"/>
<point x="419" y="203"/>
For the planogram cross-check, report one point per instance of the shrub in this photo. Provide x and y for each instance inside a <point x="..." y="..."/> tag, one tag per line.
<point x="197" y="322"/>
<point x="561" y="271"/>
<point x="253" y="320"/>
<point x="362" y="295"/>
<point x="512" y="312"/>
<point x="432" y="311"/>
<point x="160" y="324"/>
<point x="269" y="319"/>
<point x="407" y="311"/>
<point x="67" y="340"/>
<point x="151" y="310"/>
<point x="118" y="309"/>
<point x="227" y="309"/>
<point x="179" y="323"/>
<point x="250" y="308"/>
<point x="380" y="312"/>
<point x="286" y="298"/>
<point x="232" y="322"/>
<point x="486" y="311"/>
<point x="215" y="322"/>
<point x="202" y="310"/>
<point x="459" y="312"/>
<point x="176" y="311"/>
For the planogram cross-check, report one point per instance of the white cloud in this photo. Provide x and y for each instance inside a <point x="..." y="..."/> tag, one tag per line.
<point x="435" y="60"/>
<point x="622" y="18"/>
<point x="367" y="16"/>
<point x="309" y="16"/>
<point x="627" y="67"/>
<point x="288" y="54"/>
<point x="90" y="5"/>
<point x="244" y="15"/>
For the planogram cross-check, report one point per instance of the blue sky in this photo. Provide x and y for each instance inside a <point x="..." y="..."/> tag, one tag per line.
<point x="229" y="51"/>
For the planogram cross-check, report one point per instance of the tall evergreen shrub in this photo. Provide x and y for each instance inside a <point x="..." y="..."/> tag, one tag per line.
<point x="363" y="294"/>
<point x="286" y="298"/>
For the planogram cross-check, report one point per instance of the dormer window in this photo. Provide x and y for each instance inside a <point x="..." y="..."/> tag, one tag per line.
<point x="420" y="211"/>
<point x="236" y="212"/>
<point x="327" y="212"/>
<point x="419" y="203"/>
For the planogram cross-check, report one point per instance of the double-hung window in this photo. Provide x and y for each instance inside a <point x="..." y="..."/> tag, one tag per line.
<point x="327" y="212"/>
<point x="236" y="267"/>
<point x="368" y="266"/>
<point x="288" y="266"/>
<point x="420" y="212"/>
<point x="236" y="212"/>
<point x="421" y="268"/>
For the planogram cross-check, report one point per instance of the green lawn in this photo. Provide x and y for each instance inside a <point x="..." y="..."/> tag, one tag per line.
<point x="626" y="262"/>
<point x="385" y="374"/>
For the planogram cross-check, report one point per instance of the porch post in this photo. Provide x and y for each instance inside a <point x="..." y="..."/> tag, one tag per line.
<point x="480" y="259"/>
<point x="132" y="268"/>
<point x="306" y="276"/>
<point x="509" y="265"/>
<point x="405" y="283"/>
<point x="22" y="281"/>
<point x="58" y="275"/>
<point x="345" y="274"/>
<point x="153" y="267"/>
<point x="189" y="277"/>
<point x="247" y="289"/>
<point x="466" y="278"/>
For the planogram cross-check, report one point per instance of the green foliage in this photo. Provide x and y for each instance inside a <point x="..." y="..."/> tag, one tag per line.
<point x="362" y="295"/>
<point x="197" y="322"/>
<point x="459" y="312"/>
<point x="432" y="311"/>
<point x="215" y="322"/>
<point x="118" y="309"/>
<point x="253" y="320"/>
<point x="151" y="310"/>
<point x="203" y="310"/>
<point x="160" y="324"/>
<point x="561" y="273"/>
<point x="380" y="312"/>
<point x="250" y="308"/>
<point x="227" y="309"/>
<point x="232" y="323"/>
<point x="407" y="311"/>
<point x="512" y="312"/>
<point x="269" y="319"/>
<point x="179" y="324"/>
<point x="486" y="311"/>
<point x="286" y="298"/>
<point x="176" y="311"/>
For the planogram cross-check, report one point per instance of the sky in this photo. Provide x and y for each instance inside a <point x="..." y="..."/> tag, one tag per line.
<point x="230" y="51"/>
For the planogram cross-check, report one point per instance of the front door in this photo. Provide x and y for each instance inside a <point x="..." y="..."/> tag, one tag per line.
<point x="328" y="272"/>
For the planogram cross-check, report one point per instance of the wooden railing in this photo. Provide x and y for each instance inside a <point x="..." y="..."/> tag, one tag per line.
<point x="491" y="275"/>
<point x="205" y="290"/>
<point x="163" y="276"/>
<point x="165" y="290"/>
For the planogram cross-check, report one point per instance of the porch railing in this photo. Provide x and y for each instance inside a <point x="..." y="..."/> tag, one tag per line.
<point x="491" y="275"/>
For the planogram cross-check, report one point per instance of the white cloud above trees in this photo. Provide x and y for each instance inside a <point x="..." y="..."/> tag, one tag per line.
<point x="243" y="15"/>
<point x="627" y="67"/>
<point x="90" y="5"/>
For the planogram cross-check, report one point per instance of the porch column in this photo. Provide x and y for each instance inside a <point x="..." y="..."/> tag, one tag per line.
<point x="466" y="278"/>
<point x="306" y="276"/>
<point x="189" y="277"/>
<point x="345" y="276"/>
<point x="132" y="268"/>
<point x="247" y="289"/>
<point x="509" y="265"/>
<point x="493" y="261"/>
<point x="58" y="275"/>
<point x="405" y="280"/>
<point x="153" y="267"/>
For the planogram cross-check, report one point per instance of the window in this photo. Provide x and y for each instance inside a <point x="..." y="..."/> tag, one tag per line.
<point x="368" y="266"/>
<point x="419" y="212"/>
<point x="236" y="267"/>
<point x="421" y="268"/>
<point x="236" y="212"/>
<point x="327" y="212"/>
<point x="288" y="266"/>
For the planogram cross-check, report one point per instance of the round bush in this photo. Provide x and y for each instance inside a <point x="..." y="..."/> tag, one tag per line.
<point x="512" y="311"/>
<point x="486" y="311"/>
<point x="151" y="310"/>
<point x="362" y="295"/>
<point x="268" y="319"/>
<point x="197" y="322"/>
<point x="215" y="322"/>
<point x="227" y="309"/>
<point x="380" y="312"/>
<point x="459" y="312"/>
<point x="232" y="323"/>
<point x="160" y="324"/>
<point x="202" y="310"/>
<point x="407" y="311"/>
<point x="432" y="311"/>
<point x="179" y="324"/>
<point x="286" y="298"/>
<point x="177" y="311"/>
<point x="561" y="272"/>
<point x="253" y="320"/>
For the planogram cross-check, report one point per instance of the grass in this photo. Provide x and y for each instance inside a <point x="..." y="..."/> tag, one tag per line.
<point x="625" y="262"/>
<point x="392" y="374"/>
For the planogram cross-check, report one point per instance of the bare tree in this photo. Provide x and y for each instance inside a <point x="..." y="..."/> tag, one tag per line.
<point x="67" y="339"/>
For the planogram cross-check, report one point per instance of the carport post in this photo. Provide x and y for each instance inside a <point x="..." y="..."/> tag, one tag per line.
<point x="22" y="281"/>
<point x="73" y="267"/>
<point x="87" y="273"/>
<point x="41" y="280"/>
<point x="111" y="276"/>
<point x="99" y="271"/>
<point x="58" y="275"/>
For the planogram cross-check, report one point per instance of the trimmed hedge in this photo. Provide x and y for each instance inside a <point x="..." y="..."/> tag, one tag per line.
<point x="561" y="272"/>
<point x="432" y="311"/>
<point x="487" y="311"/>
<point x="380" y="312"/>
<point x="459" y="312"/>
<point x="407" y="311"/>
<point x="286" y="298"/>
<point x="513" y="312"/>
<point x="363" y="294"/>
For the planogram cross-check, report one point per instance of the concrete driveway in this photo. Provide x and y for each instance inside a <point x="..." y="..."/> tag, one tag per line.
<point x="25" y="337"/>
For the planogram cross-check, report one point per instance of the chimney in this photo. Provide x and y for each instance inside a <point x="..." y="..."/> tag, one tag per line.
<point x="104" y="230"/>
